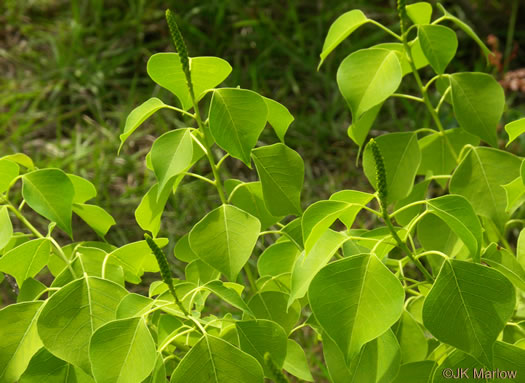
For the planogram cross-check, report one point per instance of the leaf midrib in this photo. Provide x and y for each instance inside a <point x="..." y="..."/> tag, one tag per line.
<point x="469" y="319"/>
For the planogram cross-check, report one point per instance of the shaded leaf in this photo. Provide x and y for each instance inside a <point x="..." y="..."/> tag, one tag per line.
<point x="354" y="289"/>
<point x="281" y="171"/>
<point x="237" y="118"/>
<point x="225" y="238"/>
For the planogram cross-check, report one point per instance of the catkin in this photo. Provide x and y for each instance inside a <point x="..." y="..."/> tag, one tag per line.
<point x="277" y="374"/>
<point x="161" y="260"/>
<point x="380" y="173"/>
<point x="164" y="270"/>
<point x="180" y="46"/>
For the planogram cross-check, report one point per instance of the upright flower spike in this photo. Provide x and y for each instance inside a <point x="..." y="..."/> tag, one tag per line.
<point x="380" y="173"/>
<point x="164" y="269"/>
<point x="180" y="46"/>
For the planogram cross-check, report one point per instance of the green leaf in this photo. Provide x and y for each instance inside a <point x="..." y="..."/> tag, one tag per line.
<point x="6" y="227"/>
<point x="225" y="238"/>
<point x="26" y="261"/>
<point x="420" y="61"/>
<point x="468" y="307"/>
<point x="439" y="44"/>
<point x="296" y="363"/>
<point x="149" y="212"/>
<point x="171" y="154"/>
<point x="20" y="339"/>
<point x="436" y="153"/>
<point x="412" y="340"/>
<point x="509" y="358"/>
<point x="418" y="193"/>
<point x="228" y="295"/>
<point x="45" y="367"/>
<point x="182" y="250"/>
<point x="520" y="248"/>
<point x="479" y="178"/>
<point x="279" y="117"/>
<point x="133" y="257"/>
<point x="515" y="192"/>
<point x="273" y="305"/>
<point x="159" y="373"/>
<point x="122" y="351"/>
<point x="352" y="197"/>
<point x="368" y="77"/>
<point x="417" y="372"/>
<point x="318" y="217"/>
<point x="335" y="362"/>
<point x="9" y="170"/>
<point x="281" y="171"/>
<point x="21" y="159"/>
<point x="96" y="217"/>
<point x="133" y="305"/>
<point x="458" y="214"/>
<point x="515" y="129"/>
<point x="278" y="258"/>
<point x="215" y="360"/>
<point x="84" y="189"/>
<point x="206" y="73"/>
<point x="73" y="313"/>
<point x="358" y="130"/>
<point x="237" y="118"/>
<point x="478" y="101"/>
<point x="30" y="290"/>
<point x="249" y="197"/>
<point x="308" y="264"/>
<point x="259" y="336"/>
<point x="435" y="235"/>
<point x="401" y="157"/>
<point x="377" y="362"/>
<point x="355" y="288"/>
<point x="50" y="193"/>
<point x="138" y="115"/>
<point x="465" y="28"/>
<point x="340" y="29"/>
<point x="419" y="13"/>
<point x="199" y="272"/>
<point x="506" y="263"/>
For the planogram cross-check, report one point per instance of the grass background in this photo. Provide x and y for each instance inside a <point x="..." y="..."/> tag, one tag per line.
<point x="71" y="71"/>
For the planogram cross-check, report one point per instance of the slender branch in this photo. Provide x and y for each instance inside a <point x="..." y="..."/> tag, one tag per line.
<point x="221" y="161"/>
<point x="442" y="99"/>
<point x="407" y="206"/>
<point x="427" y="130"/>
<point x="198" y="176"/>
<point x="180" y="111"/>
<point x="387" y="30"/>
<point x="431" y="81"/>
<point x="404" y="247"/>
<point x="408" y="96"/>
<point x="24" y="221"/>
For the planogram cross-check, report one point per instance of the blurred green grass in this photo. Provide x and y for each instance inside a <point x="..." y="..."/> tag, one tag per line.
<point x="73" y="70"/>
